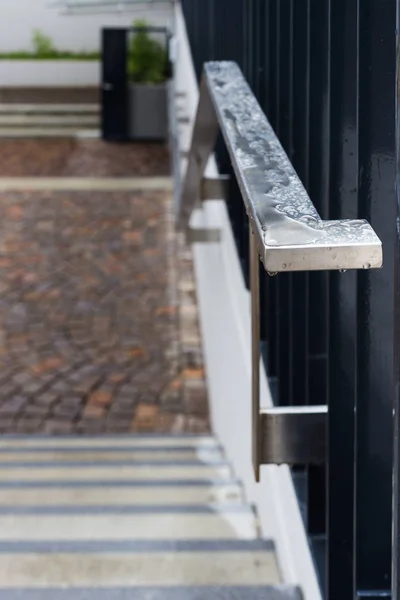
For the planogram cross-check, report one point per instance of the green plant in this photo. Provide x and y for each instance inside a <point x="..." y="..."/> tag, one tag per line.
<point x="59" y="55"/>
<point x="147" y="58"/>
<point x="42" y="44"/>
<point x="44" y="49"/>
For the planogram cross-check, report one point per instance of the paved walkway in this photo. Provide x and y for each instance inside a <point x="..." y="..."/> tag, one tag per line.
<point x="81" y="158"/>
<point x="96" y="334"/>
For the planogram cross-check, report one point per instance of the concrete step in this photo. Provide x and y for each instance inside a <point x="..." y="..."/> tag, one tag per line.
<point x="50" y="95"/>
<point x="108" y="442"/>
<point x="167" y="495"/>
<point x="119" y="527"/>
<point x="24" y="121"/>
<point x="80" y="184"/>
<point x="139" y="569"/>
<point x="116" y="456"/>
<point x="50" y="132"/>
<point x="225" y="592"/>
<point x="129" y="517"/>
<point x="58" y="121"/>
<point x="49" y="109"/>
<point x="55" y="474"/>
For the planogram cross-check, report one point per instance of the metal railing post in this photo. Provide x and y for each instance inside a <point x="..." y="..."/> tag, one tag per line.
<point x="255" y="353"/>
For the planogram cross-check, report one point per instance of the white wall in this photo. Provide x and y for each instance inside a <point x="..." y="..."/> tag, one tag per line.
<point x="19" y="18"/>
<point x="49" y="73"/>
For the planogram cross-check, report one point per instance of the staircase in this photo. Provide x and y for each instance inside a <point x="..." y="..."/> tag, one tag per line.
<point x="49" y="120"/>
<point x="128" y="517"/>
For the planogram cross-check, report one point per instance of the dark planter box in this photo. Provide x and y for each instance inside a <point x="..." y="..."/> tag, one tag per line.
<point x="148" y="111"/>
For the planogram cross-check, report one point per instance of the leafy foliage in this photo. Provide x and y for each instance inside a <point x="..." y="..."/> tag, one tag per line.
<point x="58" y="55"/>
<point x="43" y="44"/>
<point x="44" y="49"/>
<point x="147" y="58"/>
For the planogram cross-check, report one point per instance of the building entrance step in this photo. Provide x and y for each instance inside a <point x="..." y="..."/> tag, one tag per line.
<point x="48" y="109"/>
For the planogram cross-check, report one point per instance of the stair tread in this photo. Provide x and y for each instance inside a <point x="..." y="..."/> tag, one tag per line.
<point x="223" y="592"/>
<point x="57" y="121"/>
<point x="126" y="509"/>
<point x="111" y="462"/>
<point x="115" y="496"/>
<point x="154" y="545"/>
<point x="88" y="518"/>
<point x="110" y="455"/>
<point x="109" y="442"/>
<point x="235" y="525"/>
<point x="14" y="473"/>
<point x="138" y="569"/>
<point x="50" y="132"/>
<point x="12" y="108"/>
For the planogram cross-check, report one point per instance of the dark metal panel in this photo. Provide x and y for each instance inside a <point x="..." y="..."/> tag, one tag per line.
<point x="204" y="35"/>
<point x="273" y="50"/>
<point x="228" y="38"/>
<point x="189" y="12"/>
<point x="250" y="42"/>
<point x="194" y="38"/>
<point x="114" y="84"/>
<point x="272" y="103"/>
<point x="285" y="75"/>
<point x="300" y="153"/>
<point x="219" y="16"/>
<point x="376" y="297"/>
<point x="300" y="148"/>
<point x="361" y="320"/>
<point x="318" y="188"/>
<point x="263" y="71"/>
<point x="342" y="299"/>
<point x="229" y="44"/>
<point x="284" y="281"/>
<point x="245" y="37"/>
<point x="396" y="403"/>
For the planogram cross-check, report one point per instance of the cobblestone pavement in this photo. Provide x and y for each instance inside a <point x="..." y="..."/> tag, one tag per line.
<point x="81" y="158"/>
<point x="98" y="317"/>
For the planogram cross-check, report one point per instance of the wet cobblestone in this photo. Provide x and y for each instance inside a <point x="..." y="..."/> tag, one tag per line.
<point x="98" y="316"/>
<point x="80" y="158"/>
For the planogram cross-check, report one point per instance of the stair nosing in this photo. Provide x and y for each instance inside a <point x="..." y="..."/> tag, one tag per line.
<point x="104" y="463"/>
<point x="111" y="449"/>
<point x="206" y="508"/>
<point x="119" y="483"/>
<point x="192" y="545"/>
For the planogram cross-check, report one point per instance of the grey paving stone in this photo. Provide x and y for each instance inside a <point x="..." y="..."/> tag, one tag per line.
<point x="97" y="330"/>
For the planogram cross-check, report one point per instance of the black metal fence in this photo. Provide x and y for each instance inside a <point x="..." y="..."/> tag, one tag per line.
<point x="324" y="71"/>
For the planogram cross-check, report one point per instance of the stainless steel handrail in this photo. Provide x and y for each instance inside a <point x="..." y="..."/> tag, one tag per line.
<point x="286" y="232"/>
<point x="289" y="233"/>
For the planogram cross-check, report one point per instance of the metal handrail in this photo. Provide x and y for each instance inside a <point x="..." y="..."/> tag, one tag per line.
<point x="289" y="232"/>
<point x="286" y="232"/>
